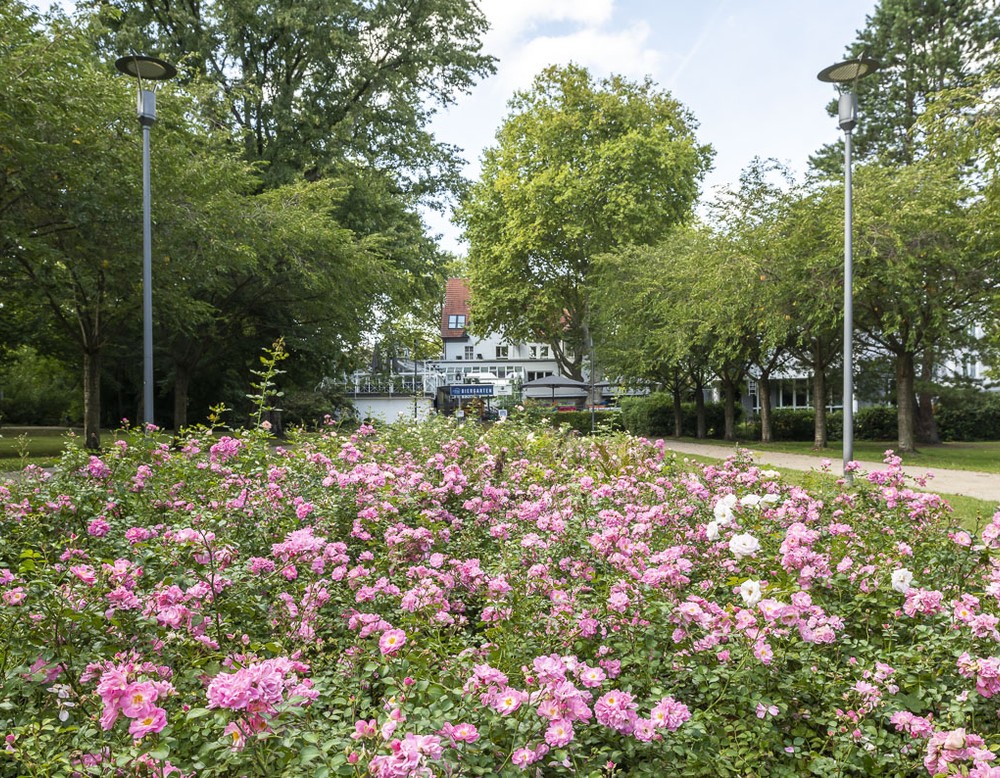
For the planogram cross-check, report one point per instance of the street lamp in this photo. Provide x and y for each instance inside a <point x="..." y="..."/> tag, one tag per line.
<point x="847" y="75"/>
<point x="146" y="69"/>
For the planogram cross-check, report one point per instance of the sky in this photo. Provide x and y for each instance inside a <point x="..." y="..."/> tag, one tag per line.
<point x="745" y="69"/>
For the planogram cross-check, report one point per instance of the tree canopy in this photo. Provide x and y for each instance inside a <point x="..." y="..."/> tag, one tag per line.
<point x="323" y="86"/>
<point x="581" y="166"/>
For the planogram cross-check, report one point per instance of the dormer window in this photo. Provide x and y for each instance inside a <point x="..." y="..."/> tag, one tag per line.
<point x="456" y="321"/>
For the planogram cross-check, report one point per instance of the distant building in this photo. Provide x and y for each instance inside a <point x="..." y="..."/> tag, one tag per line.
<point x="467" y="357"/>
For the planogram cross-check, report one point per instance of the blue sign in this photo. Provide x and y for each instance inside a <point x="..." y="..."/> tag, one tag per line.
<point x="471" y="390"/>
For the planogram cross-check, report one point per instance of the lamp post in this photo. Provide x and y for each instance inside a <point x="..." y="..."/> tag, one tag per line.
<point x="847" y="74"/>
<point x="146" y="69"/>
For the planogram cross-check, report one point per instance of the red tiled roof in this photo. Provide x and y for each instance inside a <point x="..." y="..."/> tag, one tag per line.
<point x="456" y="303"/>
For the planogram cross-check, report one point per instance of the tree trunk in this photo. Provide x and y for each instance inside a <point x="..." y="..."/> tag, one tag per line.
<point x="91" y="399"/>
<point x="678" y="411"/>
<point x="730" y="410"/>
<point x="927" y="429"/>
<point x="905" y="401"/>
<point x="182" y="385"/>
<point x="819" y="407"/>
<point x="764" y="396"/>
<point x="699" y="411"/>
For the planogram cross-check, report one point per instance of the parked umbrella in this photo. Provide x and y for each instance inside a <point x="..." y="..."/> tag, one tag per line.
<point x="554" y="382"/>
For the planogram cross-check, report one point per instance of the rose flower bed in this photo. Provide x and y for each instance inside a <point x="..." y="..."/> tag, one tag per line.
<point x="437" y="600"/>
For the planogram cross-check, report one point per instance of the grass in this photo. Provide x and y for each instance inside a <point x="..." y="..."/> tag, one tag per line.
<point x="969" y="513"/>
<point x="42" y="446"/>
<point x="983" y="457"/>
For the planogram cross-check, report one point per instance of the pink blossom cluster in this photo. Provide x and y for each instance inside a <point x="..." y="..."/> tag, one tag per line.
<point x="11" y="593"/>
<point x="410" y="756"/>
<point x="261" y="687"/>
<point x="133" y="689"/>
<point x="984" y="671"/>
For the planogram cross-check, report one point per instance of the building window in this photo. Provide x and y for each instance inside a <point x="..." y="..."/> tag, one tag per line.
<point x="535" y="375"/>
<point x="456" y="321"/>
<point x="532" y="352"/>
<point x="503" y="352"/>
<point x="468" y="352"/>
<point x="543" y="352"/>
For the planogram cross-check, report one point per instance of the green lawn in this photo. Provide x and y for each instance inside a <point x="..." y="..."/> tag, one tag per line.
<point x="982" y="457"/>
<point x="970" y="513"/>
<point x="20" y="446"/>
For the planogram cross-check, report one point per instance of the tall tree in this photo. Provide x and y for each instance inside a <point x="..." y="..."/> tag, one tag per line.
<point x="923" y="46"/>
<point x="66" y="237"/>
<point x="313" y="86"/>
<point x="812" y="277"/>
<point x="581" y="167"/>
<point x="922" y="278"/>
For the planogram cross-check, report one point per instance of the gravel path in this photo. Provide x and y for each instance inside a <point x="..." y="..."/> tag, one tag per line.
<point x="982" y="486"/>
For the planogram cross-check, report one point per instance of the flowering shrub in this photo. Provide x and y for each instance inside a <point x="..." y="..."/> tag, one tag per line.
<point x="439" y="600"/>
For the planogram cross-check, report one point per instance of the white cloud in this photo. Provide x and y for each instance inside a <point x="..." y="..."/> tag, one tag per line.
<point x="625" y="52"/>
<point x="510" y="19"/>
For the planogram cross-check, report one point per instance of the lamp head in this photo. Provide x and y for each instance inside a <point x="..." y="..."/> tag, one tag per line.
<point x="849" y="71"/>
<point x="145" y="68"/>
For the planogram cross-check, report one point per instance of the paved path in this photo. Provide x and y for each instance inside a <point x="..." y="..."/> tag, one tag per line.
<point x="982" y="486"/>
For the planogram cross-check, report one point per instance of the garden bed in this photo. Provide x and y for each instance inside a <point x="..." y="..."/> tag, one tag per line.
<point x="429" y="599"/>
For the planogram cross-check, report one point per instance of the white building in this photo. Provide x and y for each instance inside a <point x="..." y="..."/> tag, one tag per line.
<point x="468" y="359"/>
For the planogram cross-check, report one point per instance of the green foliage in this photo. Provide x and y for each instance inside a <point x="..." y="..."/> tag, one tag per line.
<point x="968" y="416"/>
<point x="581" y="167"/>
<point x="315" y="89"/>
<point x="924" y="47"/>
<point x="580" y="421"/>
<point x="875" y="422"/>
<point x="36" y="389"/>
<point x="653" y="416"/>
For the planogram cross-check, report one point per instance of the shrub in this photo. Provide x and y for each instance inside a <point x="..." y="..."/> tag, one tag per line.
<point x="968" y="416"/>
<point x="876" y="422"/>
<point x="37" y="390"/>
<point x="789" y="424"/>
<point x="580" y="421"/>
<point x="653" y="416"/>
<point x="432" y="598"/>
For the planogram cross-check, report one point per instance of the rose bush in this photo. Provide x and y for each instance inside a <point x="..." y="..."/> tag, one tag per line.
<point x="428" y="599"/>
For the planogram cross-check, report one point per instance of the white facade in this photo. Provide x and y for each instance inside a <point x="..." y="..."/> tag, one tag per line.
<point x="466" y="356"/>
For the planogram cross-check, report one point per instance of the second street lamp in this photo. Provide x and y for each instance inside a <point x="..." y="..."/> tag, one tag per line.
<point x="153" y="70"/>
<point x="847" y="75"/>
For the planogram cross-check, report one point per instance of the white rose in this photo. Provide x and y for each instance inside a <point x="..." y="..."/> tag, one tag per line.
<point x="724" y="509"/>
<point x="901" y="580"/>
<point x="712" y="530"/>
<point x="770" y="474"/>
<point x="769" y="498"/>
<point x="749" y="499"/>
<point x="743" y="545"/>
<point x="750" y="592"/>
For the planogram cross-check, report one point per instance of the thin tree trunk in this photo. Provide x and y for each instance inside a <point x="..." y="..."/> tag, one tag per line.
<point x="92" y="399"/>
<point x="699" y="411"/>
<point x="905" y="401"/>
<point x="678" y="410"/>
<point x="182" y="385"/>
<point x="819" y="406"/>
<point x="927" y="428"/>
<point x="766" y="421"/>
<point x="730" y="410"/>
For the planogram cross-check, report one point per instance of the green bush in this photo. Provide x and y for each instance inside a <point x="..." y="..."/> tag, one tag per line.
<point x="653" y="416"/>
<point x="876" y="422"/>
<point x="793" y="424"/>
<point x="968" y="416"/>
<point x="37" y="389"/>
<point x="580" y="421"/>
